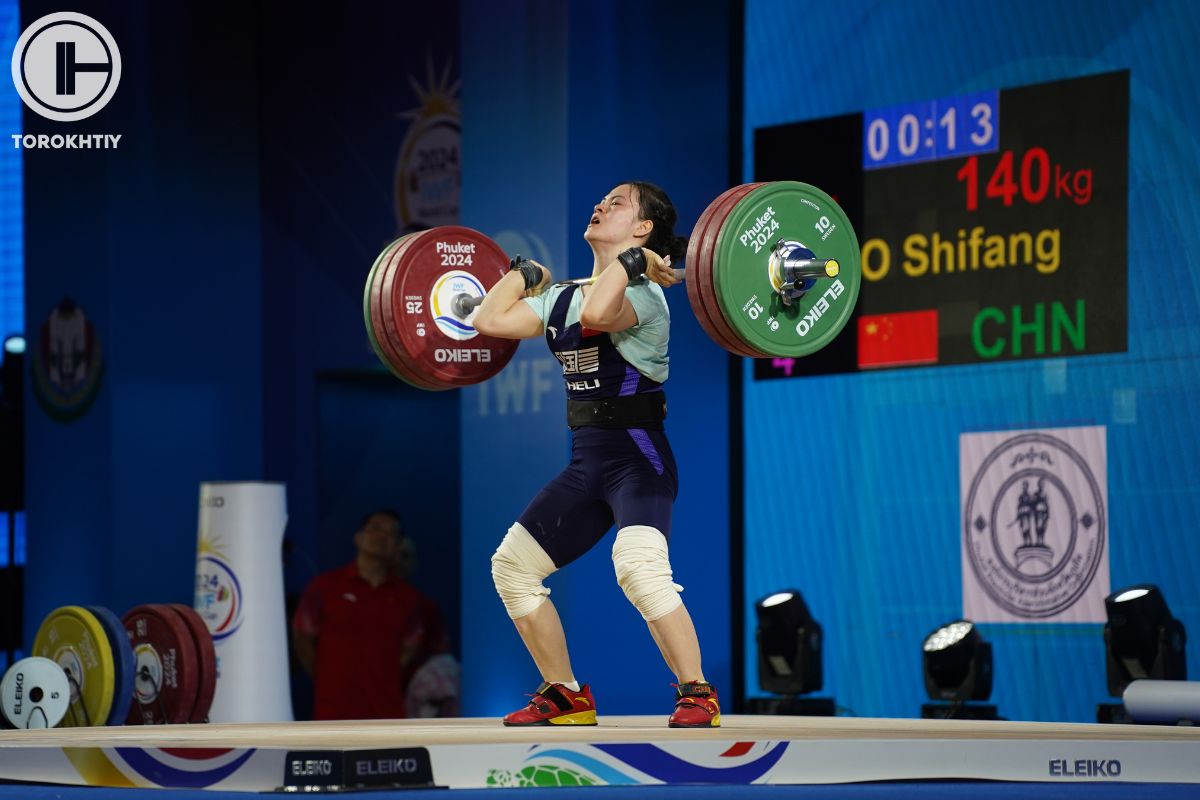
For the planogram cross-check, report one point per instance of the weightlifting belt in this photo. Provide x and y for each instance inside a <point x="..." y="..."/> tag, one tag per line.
<point x="647" y="411"/>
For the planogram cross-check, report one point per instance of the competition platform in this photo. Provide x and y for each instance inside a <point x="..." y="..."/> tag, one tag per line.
<point x="631" y="751"/>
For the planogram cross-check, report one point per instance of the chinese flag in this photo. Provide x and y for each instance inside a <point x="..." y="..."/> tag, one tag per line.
<point x="903" y="338"/>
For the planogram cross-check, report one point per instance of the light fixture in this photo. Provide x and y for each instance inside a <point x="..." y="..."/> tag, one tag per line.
<point x="957" y="663"/>
<point x="789" y="645"/>
<point x="1141" y="638"/>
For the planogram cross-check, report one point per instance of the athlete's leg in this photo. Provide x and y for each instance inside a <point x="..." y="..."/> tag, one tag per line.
<point x="561" y="523"/>
<point x="676" y="638"/>
<point x="642" y="494"/>
<point x="544" y="638"/>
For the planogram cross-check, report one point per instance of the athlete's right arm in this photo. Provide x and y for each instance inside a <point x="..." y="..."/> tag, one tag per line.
<point x="504" y="314"/>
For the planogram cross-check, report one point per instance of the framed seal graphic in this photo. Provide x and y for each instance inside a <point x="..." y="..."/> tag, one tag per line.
<point x="1035" y="525"/>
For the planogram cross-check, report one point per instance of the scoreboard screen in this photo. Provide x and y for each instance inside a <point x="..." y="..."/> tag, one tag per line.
<point x="993" y="225"/>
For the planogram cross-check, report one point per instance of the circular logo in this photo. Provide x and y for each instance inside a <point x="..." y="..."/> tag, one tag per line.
<point x="72" y="666"/>
<point x="67" y="362"/>
<point x="66" y="66"/>
<point x="218" y="597"/>
<point x="441" y="302"/>
<point x="428" y="174"/>
<point x="1035" y="525"/>
<point x="149" y="674"/>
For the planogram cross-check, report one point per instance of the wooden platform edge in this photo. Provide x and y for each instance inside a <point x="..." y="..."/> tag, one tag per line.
<point x="622" y="751"/>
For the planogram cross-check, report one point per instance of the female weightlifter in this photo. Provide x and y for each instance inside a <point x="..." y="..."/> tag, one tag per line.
<point x="611" y="338"/>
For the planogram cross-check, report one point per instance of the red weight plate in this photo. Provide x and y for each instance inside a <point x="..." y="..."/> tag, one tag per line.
<point x="389" y="338"/>
<point x="387" y="343"/>
<point x="374" y="331"/>
<point x="436" y="266"/>
<point x="434" y="342"/>
<point x="706" y="287"/>
<point x="206" y="657"/>
<point x="386" y="323"/>
<point x="692" y="282"/>
<point x="166" y="681"/>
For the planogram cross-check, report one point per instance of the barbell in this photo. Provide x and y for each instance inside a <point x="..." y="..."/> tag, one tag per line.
<point x="773" y="270"/>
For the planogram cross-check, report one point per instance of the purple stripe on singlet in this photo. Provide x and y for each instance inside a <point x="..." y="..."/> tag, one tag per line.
<point x="629" y="385"/>
<point x="642" y="439"/>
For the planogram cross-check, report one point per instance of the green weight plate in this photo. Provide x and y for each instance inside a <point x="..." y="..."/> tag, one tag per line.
<point x="699" y="301"/>
<point x="75" y="639"/>
<point x="706" y="287"/>
<point x="796" y="212"/>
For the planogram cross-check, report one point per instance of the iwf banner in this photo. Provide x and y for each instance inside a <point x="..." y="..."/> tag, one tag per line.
<point x="239" y="593"/>
<point x="1034" y="525"/>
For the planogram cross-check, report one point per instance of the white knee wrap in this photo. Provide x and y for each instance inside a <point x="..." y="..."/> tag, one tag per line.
<point x="518" y="567"/>
<point x="644" y="571"/>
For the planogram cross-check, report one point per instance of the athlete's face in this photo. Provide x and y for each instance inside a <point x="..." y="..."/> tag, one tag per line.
<point x="617" y="218"/>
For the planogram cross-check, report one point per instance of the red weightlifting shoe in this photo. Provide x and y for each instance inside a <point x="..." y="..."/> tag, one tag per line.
<point x="696" y="706"/>
<point x="555" y="704"/>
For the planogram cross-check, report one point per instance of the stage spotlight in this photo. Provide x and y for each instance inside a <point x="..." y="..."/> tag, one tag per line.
<point x="789" y="645"/>
<point x="14" y="344"/>
<point x="1142" y="639"/>
<point x="957" y="663"/>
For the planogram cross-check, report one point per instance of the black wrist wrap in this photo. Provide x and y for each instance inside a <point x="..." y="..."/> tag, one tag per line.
<point x="529" y="271"/>
<point x="634" y="261"/>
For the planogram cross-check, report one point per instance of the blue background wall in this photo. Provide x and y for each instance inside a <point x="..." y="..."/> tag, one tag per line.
<point x="162" y="252"/>
<point x="338" y="88"/>
<point x="221" y="252"/>
<point x="12" y="240"/>
<point x="883" y="568"/>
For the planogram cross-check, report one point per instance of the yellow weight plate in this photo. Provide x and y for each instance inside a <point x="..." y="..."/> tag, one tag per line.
<point x="74" y="638"/>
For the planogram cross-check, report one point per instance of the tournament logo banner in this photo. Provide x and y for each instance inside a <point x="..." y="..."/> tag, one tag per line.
<point x="1034" y="525"/>
<point x="428" y="170"/>
<point x="67" y="362"/>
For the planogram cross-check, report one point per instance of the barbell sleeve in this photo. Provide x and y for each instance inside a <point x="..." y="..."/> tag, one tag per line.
<point x="463" y="304"/>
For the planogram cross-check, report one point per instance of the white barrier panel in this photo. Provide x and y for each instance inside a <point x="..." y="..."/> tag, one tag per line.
<point x="239" y="593"/>
<point x="1163" y="701"/>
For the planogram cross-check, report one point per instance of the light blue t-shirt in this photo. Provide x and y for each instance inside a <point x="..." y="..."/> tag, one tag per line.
<point x="644" y="345"/>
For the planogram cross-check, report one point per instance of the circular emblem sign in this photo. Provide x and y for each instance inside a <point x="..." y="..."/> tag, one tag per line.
<point x="1035" y="525"/>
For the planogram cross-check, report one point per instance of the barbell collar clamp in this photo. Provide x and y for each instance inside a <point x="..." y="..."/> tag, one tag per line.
<point x="794" y="269"/>
<point x="790" y="260"/>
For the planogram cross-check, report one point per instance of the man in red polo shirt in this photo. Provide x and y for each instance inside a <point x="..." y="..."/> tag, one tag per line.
<point x="362" y="630"/>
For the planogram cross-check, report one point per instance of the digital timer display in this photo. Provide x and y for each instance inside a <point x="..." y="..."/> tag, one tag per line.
<point x="993" y="225"/>
<point x="947" y="128"/>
